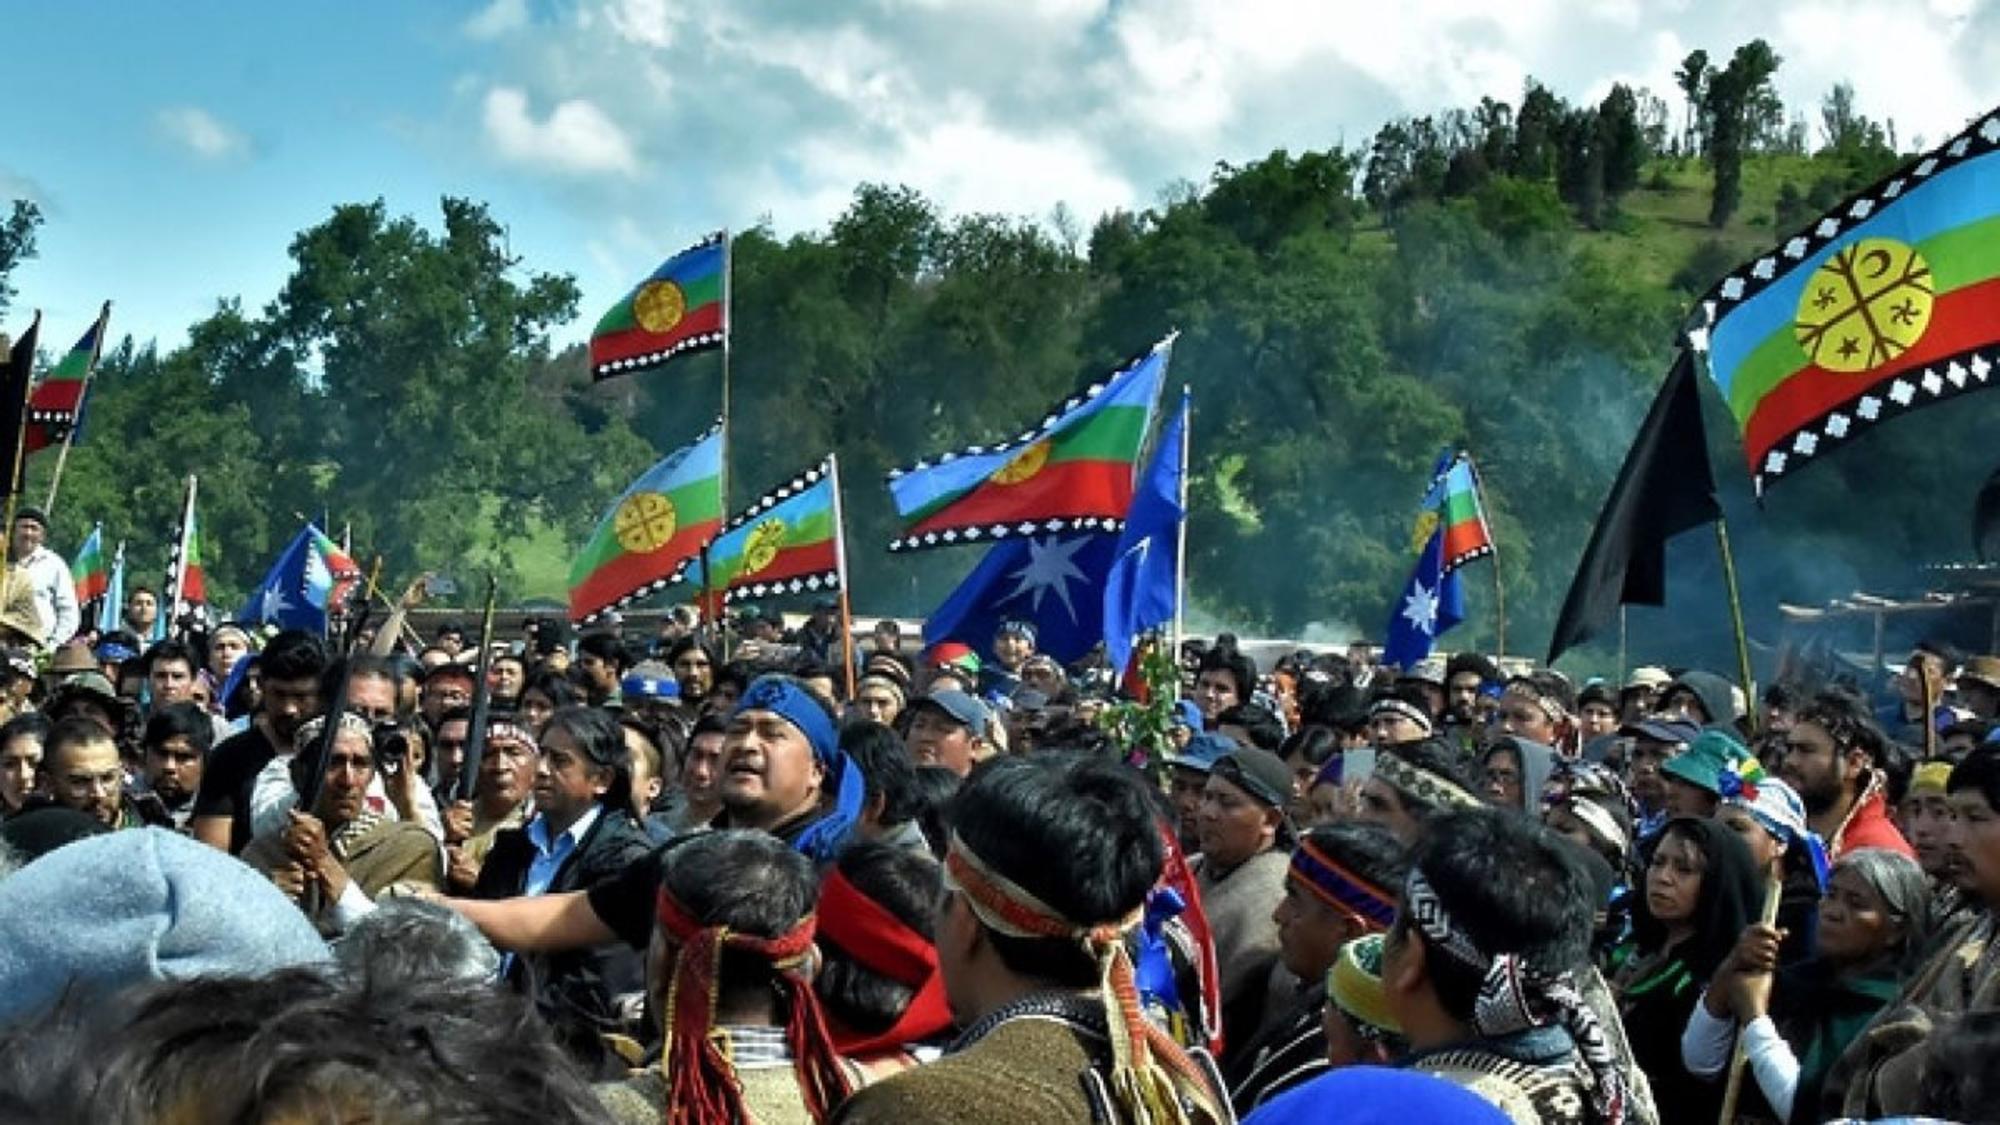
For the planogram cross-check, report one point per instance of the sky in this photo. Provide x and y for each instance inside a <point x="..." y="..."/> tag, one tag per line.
<point x="176" y="149"/>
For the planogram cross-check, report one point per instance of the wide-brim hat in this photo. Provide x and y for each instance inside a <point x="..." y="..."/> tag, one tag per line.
<point x="73" y="657"/>
<point x="1982" y="670"/>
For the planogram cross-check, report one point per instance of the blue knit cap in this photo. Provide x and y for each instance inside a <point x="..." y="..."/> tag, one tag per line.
<point x="790" y="701"/>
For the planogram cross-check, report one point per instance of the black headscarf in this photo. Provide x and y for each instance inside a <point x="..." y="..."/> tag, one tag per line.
<point x="1732" y="890"/>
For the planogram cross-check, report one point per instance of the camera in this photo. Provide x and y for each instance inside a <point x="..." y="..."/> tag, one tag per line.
<point x="392" y="746"/>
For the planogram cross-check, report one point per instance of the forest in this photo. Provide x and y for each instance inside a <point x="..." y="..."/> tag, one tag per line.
<point x="1507" y="278"/>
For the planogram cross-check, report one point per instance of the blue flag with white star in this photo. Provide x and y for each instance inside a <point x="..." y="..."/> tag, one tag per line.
<point x="1431" y="603"/>
<point x="295" y="591"/>
<point x="1139" y="592"/>
<point x="1054" y="582"/>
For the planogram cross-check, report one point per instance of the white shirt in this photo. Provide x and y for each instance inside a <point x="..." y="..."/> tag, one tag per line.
<point x="55" y="594"/>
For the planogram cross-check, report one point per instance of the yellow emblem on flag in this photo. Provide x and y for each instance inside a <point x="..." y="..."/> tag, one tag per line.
<point x="1025" y="464"/>
<point x="659" y="305"/>
<point x="1427" y="524"/>
<point x="645" y="522"/>
<point x="1867" y="305"/>
<point x="763" y="545"/>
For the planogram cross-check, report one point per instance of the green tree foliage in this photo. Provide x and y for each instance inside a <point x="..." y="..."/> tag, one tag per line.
<point x="17" y="244"/>
<point x="1739" y="103"/>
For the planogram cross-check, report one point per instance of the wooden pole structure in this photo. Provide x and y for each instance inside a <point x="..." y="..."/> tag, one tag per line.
<point x="1773" y="889"/>
<point x="722" y="480"/>
<point x="482" y="701"/>
<point x="1736" y="618"/>
<point x="1930" y="691"/>
<point x="1621" y="644"/>
<point x="840" y="569"/>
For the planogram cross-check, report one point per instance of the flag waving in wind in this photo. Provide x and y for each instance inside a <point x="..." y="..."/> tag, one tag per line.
<point x="782" y="544"/>
<point x="57" y="400"/>
<point x="648" y="536"/>
<point x="1053" y="582"/>
<point x="1432" y="602"/>
<point x="681" y="307"/>
<point x="303" y="588"/>
<point x="1140" y="591"/>
<point x="111" y="611"/>
<point x="87" y="569"/>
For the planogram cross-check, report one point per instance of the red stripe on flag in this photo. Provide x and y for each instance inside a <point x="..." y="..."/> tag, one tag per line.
<point x="1961" y="319"/>
<point x="95" y="585"/>
<point x="793" y="562"/>
<point x="1070" y="489"/>
<point x="622" y="575"/>
<point x="638" y="342"/>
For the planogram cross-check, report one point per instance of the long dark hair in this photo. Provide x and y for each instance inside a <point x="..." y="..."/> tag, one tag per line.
<point x="1731" y="891"/>
<point x="601" y="741"/>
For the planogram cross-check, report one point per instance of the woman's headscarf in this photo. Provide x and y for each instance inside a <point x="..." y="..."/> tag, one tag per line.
<point x="1732" y="890"/>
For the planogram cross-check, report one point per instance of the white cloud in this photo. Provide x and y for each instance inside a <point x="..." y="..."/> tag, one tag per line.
<point x="200" y="132"/>
<point x="648" y="23"/>
<point x="497" y="19"/>
<point x="576" y="138"/>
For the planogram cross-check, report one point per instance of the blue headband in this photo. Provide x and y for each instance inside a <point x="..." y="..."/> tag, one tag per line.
<point x="785" y="698"/>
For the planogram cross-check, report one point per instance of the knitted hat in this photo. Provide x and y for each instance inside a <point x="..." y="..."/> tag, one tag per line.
<point x="1702" y="763"/>
<point x="1354" y="985"/>
<point x="140" y="905"/>
<point x="1777" y="807"/>
<point x="1259" y="773"/>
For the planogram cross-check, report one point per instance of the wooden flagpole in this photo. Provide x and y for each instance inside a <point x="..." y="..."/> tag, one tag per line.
<point x="20" y="434"/>
<point x="1736" y="620"/>
<point x="1493" y="546"/>
<point x="69" y="436"/>
<point x="840" y="569"/>
<point x="722" y="481"/>
<point x="177" y="577"/>
<point x="1181" y="541"/>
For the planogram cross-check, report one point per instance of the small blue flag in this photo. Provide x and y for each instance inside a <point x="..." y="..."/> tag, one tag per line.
<point x="1054" y="582"/>
<point x="296" y="590"/>
<point x="1139" y="591"/>
<point x="1431" y="604"/>
<point x="111" y="611"/>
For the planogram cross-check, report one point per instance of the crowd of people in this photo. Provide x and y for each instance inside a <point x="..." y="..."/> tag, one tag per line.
<point x="260" y="875"/>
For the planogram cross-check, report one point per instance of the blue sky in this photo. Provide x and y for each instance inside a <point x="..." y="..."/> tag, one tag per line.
<point x="177" y="148"/>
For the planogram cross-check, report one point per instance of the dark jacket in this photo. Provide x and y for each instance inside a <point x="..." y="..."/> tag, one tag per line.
<point x="574" y="991"/>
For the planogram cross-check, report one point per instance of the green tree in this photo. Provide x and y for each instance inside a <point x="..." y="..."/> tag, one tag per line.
<point x="1621" y="141"/>
<point x="17" y="245"/>
<point x="1693" y="78"/>
<point x="1737" y="102"/>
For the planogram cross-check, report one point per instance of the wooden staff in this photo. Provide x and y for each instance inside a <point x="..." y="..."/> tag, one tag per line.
<point x="482" y="700"/>
<point x="1773" y="887"/>
<point x="1930" y="692"/>
<point x="1736" y="620"/>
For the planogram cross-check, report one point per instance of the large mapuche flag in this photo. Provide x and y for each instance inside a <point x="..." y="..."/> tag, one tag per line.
<point x="646" y="539"/>
<point x="1888" y="302"/>
<point x="785" y="543"/>
<point x="1074" y="471"/>
<point x="679" y="308"/>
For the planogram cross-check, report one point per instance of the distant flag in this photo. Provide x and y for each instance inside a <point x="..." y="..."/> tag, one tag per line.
<point x="785" y="543"/>
<point x="1880" y="306"/>
<point x="111" y="611"/>
<point x="187" y="582"/>
<point x="1072" y="472"/>
<point x="681" y="307"/>
<point x="303" y="587"/>
<point x="1453" y="506"/>
<point x="14" y="383"/>
<point x="1054" y="582"/>
<point x="57" y="400"/>
<point x="1431" y="602"/>
<point x="660" y="522"/>
<point x="1664" y="488"/>
<point x="92" y="577"/>
<point x="1140" y="591"/>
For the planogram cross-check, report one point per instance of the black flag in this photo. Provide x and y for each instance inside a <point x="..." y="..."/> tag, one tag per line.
<point x="1664" y="488"/>
<point x="15" y="382"/>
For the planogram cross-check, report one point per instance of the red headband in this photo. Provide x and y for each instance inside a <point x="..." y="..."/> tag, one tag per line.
<point x="702" y="1088"/>
<point x="882" y="943"/>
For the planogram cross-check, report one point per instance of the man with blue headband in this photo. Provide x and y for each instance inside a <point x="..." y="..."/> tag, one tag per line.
<point x="783" y="772"/>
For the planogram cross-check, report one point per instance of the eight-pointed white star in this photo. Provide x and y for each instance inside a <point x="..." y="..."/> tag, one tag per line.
<point x="1051" y="567"/>
<point x="275" y="602"/>
<point x="1420" y="609"/>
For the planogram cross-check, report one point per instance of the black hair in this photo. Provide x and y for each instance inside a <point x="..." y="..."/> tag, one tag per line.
<point x="1264" y="728"/>
<point x="1597" y="692"/>
<point x="1897" y="763"/>
<point x="1078" y="832"/>
<point x="179" y="720"/>
<point x="298" y="1044"/>
<point x="746" y="880"/>
<point x="810" y="667"/>
<point x="1845" y="717"/>
<point x="171" y="649"/>
<point x="886" y="768"/>
<point x="1432" y="755"/>
<point x="552" y="686"/>
<point x="1369" y="850"/>
<point x="1783" y="695"/>
<point x="907" y="884"/>
<point x="687" y="644"/>
<point x="292" y="655"/>
<point x="1979" y="771"/>
<point x="650" y="734"/>
<point x="709" y="724"/>
<point x="1226" y="658"/>
<point x="450" y="626"/>
<point x="933" y="788"/>
<point x="1731" y="887"/>
<point x="511" y="657"/>
<point x="736" y="673"/>
<point x="1473" y="662"/>
<point x="1313" y="744"/>
<point x="600" y="741"/>
<point x="72" y="730"/>
<point x="28" y="724"/>
<point x="606" y="646"/>
<point x="1510" y="886"/>
<point x="1547" y="683"/>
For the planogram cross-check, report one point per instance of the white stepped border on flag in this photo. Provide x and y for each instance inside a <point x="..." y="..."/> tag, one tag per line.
<point x="797" y="584"/>
<point x="649" y="589"/>
<point x="1950" y="375"/>
<point x="633" y="363"/>
<point x="986" y="532"/>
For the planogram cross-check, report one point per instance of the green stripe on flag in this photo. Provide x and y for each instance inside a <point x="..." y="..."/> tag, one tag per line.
<point x="1112" y="434"/>
<point x="694" y="502"/>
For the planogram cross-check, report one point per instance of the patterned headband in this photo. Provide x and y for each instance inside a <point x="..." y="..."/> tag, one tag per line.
<point x="1599" y="820"/>
<point x="512" y="732"/>
<point x="1422" y="785"/>
<point x="1550" y="706"/>
<point x="1337" y="886"/>
<point x="1515" y="996"/>
<point x="1407" y="710"/>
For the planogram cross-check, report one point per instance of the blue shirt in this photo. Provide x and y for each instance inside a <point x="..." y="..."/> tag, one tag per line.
<point x="551" y="855"/>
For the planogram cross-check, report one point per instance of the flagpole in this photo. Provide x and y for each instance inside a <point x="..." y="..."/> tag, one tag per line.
<point x="722" y="480"/>
<point x="177" y="576"/>
<point x="20" y="434"/>
<point x="1736" y="618"/>
<point x="69" y="436"/>
<point x="1493" y="547"/>
<point x="840" y="568"/>
<point x="113" y="608"/>
<point x="1181" y="537"/>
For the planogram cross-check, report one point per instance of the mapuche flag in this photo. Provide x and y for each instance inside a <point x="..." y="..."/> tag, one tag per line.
<point x="681" y="307"/>
<point x="87" y="569"/>
<point x="785" y="543"/>
<point x="1452" y="506"/>
<point x="1074" y="471"/>
<point x="1664" y="488"/>
<point x="58" y="399"/>
<point x="1884" y="304"/>
<point x="658" y="524"/>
